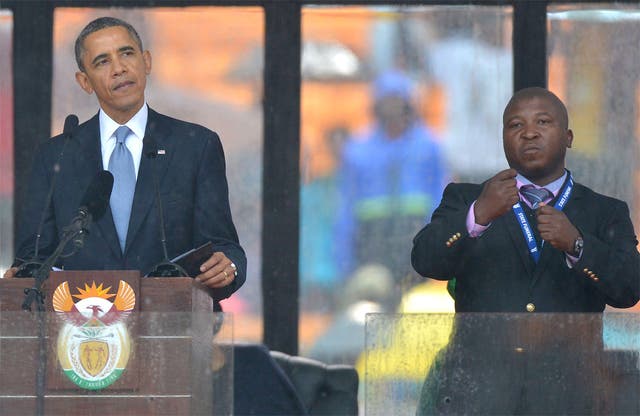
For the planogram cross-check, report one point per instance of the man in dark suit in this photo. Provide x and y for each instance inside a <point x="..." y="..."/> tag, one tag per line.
<point x="186" y="160"/>
<point x="574" y="251"/>
<point x="528" y="240"/>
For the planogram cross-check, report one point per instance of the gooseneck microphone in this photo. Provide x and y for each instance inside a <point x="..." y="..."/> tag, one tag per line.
<point x="166" y="268"/>
<point x="28" y="268"/>
<point x="93" y="206"/>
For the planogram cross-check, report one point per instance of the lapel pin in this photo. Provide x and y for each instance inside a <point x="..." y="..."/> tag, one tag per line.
<point x="161" y="151"/>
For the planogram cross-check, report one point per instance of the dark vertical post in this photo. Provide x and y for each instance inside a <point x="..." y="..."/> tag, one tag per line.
<point x="281" y="175"/>
<point x="32" y="75"/>
<point x="529" y="44"/>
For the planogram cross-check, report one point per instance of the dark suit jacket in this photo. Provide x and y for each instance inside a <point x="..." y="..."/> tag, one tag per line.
<point x="193" y="190"/>
<point x="495" y="273"/>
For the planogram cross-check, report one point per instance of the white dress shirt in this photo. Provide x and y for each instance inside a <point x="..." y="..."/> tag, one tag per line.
<point x="137" y="124"/>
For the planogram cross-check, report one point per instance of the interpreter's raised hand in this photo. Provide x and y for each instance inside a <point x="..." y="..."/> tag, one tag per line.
<point x="218" y="271"/>
<point x="497" y="197"/>
<point x="556" y="229"/>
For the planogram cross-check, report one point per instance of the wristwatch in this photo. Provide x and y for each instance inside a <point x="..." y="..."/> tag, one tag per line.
<point x="577" y="247"/>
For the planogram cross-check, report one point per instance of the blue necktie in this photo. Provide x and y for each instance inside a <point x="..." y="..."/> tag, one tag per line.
<point x="535" y="195"/>
<point x="124" y="184"/>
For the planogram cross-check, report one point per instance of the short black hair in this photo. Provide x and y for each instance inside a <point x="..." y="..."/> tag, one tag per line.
<point x="535" y="92"/>
<point x="99" y="24"/>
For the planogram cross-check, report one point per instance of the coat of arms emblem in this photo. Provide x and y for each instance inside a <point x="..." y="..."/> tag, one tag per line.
<point x="94" y="344"/>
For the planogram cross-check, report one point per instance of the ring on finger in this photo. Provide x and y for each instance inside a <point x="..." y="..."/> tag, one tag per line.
<point x="226" y="275"/>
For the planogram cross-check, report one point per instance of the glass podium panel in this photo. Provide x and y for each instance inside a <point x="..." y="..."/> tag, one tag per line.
<point x="141" y="363"/>
<point x="6" y="139"/>
<point x="207" y="65"/>
<point x="365" y="189"/>
<point x="592" y="65"/>
<point x="494" y="364"/>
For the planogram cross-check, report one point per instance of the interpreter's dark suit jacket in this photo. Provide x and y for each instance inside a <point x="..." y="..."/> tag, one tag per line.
<point x="497" y="363"/>
<point x="495" y="273"/>
<point x="190" y="166"/>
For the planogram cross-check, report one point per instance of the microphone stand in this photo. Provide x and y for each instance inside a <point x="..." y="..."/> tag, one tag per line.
<point x="166" y="268"/>
<point x="78" y="228"/>
<point x="35" y="294"/>
<point x="29" y="268"/>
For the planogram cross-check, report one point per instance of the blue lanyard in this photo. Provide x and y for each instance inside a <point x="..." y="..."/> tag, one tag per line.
<point x="524" y="223"/>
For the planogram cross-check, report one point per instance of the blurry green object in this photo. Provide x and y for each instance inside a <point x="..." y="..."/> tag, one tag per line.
<point x="451" y="288"/>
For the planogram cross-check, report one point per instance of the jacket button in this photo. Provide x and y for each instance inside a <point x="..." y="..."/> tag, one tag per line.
<point x="531" y="307"/>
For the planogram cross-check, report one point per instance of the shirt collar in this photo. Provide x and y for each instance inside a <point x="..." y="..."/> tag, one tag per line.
<point x="554" y="186"/>
<point x="137" y="124"/>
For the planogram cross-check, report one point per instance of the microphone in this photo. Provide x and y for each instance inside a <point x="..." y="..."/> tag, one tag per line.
<point x="165" y="268"/>
<point x="92" y="206"/>
<point x="28" y="268"/>
<point x="70" y="123"/>
<point x="96" y="198"/>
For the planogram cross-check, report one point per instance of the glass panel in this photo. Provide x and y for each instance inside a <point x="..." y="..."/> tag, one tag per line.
<point x="147" y="363"/>
<point x="396" y="101"/>
<point x="6" y="140"/>
<point x="593" y="67"/>
<point x="501" y="364"/>
<point x="207" y="70"/>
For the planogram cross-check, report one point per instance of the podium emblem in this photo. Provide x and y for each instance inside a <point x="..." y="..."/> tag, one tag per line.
<point x="94" y="356"/>
<point x="94" y="344"/>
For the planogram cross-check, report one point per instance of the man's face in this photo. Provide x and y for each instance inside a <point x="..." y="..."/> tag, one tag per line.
<point x="116" y="70"/>
<point x="394" y="115"/>
<point x="535" y="138"/>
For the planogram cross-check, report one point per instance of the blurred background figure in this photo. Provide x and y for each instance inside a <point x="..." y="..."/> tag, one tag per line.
<point x="474" y="67"/>
<point x="390" y="179"/>
<point x="318" y="204"/>
<point x="368" y="290"/>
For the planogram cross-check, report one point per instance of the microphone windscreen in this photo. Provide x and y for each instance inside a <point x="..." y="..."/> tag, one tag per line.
<point x="96" y="197"/>
<point x="70" y="123"/>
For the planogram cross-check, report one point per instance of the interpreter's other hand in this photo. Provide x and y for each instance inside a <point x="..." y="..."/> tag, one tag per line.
<point x="218" y="271"/>
<point x="10" y="273"/>
<point x="556" y="229"/>
<point x="497" y="197"/>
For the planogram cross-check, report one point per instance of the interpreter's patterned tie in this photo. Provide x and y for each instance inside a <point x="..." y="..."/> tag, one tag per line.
<point x="535" y="195"/>
<point x="124" y="184"/>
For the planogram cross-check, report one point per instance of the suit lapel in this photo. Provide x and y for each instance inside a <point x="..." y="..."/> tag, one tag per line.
<point x="153" y="166"/>
<point x="87" y="164"/>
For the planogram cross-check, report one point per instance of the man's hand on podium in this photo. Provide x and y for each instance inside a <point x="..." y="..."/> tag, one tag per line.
<point x="218" y="271"/>
<point x="10" y="273"/>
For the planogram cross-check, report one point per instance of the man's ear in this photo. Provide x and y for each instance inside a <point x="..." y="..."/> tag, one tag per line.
<point x="569" y="138"/>
<point x="146" y="56"/>
<point x="84" y="83"/>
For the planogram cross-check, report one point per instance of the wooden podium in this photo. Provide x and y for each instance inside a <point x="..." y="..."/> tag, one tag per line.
<point x="173" y="360"/>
